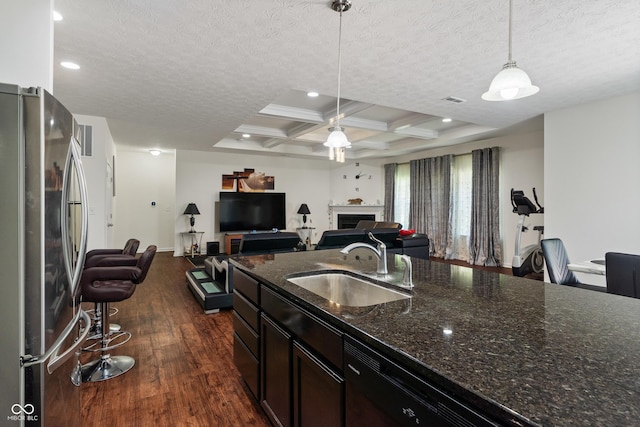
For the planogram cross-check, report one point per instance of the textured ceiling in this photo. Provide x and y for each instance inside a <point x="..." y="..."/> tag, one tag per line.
<point x="195" y="75"/>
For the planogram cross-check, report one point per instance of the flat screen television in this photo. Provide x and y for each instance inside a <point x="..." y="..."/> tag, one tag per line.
<point x="252" y="211"/>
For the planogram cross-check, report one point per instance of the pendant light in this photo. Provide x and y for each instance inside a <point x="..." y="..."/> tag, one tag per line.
<point x="512" y="82"/>
<point x="337" y="140"/>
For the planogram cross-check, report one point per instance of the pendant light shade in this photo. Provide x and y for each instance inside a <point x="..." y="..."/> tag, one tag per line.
<point x="337" y="140"/>
<point x="512" y="82"/>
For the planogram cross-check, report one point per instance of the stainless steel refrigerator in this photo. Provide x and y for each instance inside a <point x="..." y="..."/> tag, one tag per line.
<point x="43" y="225"/>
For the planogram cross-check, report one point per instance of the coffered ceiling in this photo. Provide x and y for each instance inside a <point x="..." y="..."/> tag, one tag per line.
<point x="198" y="75"/>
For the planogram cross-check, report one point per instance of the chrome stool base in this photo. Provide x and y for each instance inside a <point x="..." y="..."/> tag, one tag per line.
<point x="106" y="367"/>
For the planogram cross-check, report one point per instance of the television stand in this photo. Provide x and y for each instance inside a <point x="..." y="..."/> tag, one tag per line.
<point x="232" y="243"/>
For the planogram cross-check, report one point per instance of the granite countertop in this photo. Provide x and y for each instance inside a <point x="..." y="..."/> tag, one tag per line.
<point x="519" y="349"/>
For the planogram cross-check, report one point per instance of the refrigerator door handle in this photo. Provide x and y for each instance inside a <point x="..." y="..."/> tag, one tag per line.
<point x="84" y="200"/>
<point x="57" y="360"/>
<point x="73" y="159"/>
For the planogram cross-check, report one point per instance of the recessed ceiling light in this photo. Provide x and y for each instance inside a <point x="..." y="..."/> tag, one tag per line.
<point x="57" y="16"/>
<point x="70" y="65"/>
<point x="312" y="94"/>
<point x="246" y="135"/>
<point x="155" y="152"/>
<point x="446" y="120"/>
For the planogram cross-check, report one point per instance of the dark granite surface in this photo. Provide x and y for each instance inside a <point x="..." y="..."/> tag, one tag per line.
<point x="519" y="349"/>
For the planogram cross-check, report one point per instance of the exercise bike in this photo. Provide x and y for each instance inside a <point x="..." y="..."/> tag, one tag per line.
<point x="530" y="258"/>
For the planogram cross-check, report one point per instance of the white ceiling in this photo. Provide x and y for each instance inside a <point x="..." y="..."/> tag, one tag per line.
<point x="196" y="75"/>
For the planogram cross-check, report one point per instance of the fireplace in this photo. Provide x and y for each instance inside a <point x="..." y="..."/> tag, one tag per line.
<point x="347" y="216"/>
<point x="351" y="220"/>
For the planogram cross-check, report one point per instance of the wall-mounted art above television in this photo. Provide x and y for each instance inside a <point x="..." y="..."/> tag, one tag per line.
<point x="247" y="181"/>
<point x="252" y="211"/>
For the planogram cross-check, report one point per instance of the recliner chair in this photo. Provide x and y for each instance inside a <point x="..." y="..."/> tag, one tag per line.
<point x="332" y="239"/>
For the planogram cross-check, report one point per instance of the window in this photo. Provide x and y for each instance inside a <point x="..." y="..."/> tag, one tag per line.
<point x="461" y="185"/>
<point x="402" y="195"/>
<point x="461" y="175"/>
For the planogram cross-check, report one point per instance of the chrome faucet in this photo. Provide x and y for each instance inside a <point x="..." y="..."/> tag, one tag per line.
<point x="408" y="270"/>
<point x="380" y="250"/>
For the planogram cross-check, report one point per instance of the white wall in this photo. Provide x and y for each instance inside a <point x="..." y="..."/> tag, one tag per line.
<point x="140" y="180"/>
<point x="521" y="159"/>
<point x="26" y="45"/>
<point x="199" y="180"/>
<point x="95" y="169"/>
<point x="591" y="158"/>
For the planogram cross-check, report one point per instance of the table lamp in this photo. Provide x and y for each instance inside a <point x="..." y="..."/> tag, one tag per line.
<point x="304" y="210"/>
<point x="192" y="210"/>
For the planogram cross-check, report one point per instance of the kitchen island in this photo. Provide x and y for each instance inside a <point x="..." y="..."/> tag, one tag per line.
<point x="521" y="352"/>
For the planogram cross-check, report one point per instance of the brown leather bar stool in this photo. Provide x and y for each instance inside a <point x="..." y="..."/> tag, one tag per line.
<point x="108" y="258"/>
<point x="104" y="285"/>
<point x="93" y="257"/>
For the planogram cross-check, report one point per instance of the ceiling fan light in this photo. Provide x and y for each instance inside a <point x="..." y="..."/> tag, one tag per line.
<point x="337" y="139"/>
<point x="510" y="83"/>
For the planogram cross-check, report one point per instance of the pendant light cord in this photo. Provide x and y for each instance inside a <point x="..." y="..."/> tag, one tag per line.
<point x="510" y="20"/>
<point x="339" y="68"/>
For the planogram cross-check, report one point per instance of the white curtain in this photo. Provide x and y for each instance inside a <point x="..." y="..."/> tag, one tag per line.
<point x="461" y="183"/>
<point x="402" y="195"/>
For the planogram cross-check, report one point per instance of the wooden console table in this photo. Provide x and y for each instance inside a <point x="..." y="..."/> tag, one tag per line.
<point x="232" y="243"/>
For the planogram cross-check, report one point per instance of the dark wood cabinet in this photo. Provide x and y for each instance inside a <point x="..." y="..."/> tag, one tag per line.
<point x="246" y="325"/>
<point x="276" y="372"/>
<point x="318" y="391"/>
<point x="290" y="359"/>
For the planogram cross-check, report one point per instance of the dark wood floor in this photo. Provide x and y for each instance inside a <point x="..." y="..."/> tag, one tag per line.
<point x="184" y="372"/>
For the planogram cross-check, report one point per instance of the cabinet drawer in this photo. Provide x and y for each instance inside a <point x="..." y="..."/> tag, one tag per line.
<point x="323" y="338"/>
<point x="246" y="310"/>
<point x="248" y="335"/>
<point x="247" y="365"/>
<point x="248" y="286"/>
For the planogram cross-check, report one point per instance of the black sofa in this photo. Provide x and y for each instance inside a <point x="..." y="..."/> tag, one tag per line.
<point x="261" y="243"/>
<point x="415" y="245"/>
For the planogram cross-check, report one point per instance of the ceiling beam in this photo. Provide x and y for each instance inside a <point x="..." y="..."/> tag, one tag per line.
<point x="293" y="113"/>
<point x="415" y="132"/>
<point x="261" y="131"/>
<point x="347" y="108"/>
<point x="410" y="120"/>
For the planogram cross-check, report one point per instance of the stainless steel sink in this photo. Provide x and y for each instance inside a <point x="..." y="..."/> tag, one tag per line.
<point x="347" y="290"/>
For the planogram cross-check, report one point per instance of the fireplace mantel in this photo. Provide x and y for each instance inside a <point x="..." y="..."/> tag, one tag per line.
<point x="335" y="210"/>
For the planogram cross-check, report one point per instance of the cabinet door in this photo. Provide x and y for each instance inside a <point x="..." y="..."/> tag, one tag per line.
<point x="318" y="392"/>
<point x="275" y="368"/>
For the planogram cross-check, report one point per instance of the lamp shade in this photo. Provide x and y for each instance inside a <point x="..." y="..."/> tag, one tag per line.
<point x="191" y="209"/>
<point x="304" y="209"/>
<point x="510" y="83"/>
<point x="337" y="139"/>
